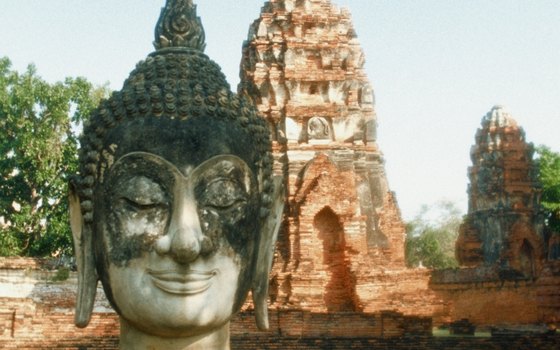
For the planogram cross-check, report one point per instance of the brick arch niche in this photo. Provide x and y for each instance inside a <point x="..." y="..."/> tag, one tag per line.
<point x="525" y="249"/>
<point x="527" y="259"/>
<point x="340" y="288"/>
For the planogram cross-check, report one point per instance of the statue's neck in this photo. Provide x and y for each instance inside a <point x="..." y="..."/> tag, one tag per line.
<point x="133" y="339"/>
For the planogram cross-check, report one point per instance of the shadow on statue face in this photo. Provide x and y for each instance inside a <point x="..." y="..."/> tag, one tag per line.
<point x="176" y="224"/>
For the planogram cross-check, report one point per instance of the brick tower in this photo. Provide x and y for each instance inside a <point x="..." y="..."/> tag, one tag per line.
<point x="504" y="226"/>
<point x="303" y="66"/>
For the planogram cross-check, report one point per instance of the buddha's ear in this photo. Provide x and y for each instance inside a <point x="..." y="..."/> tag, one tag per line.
<point x="83" y="249"/>
<point x="269" y="233"/>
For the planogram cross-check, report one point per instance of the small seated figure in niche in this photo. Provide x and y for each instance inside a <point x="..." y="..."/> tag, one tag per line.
<point x="318" y="129"/>
<point x="175" y="209"/>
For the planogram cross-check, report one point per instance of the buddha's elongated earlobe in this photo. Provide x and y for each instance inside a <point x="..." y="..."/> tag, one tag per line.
<point x="83" y="247"/>
<point x="269" y="233"/>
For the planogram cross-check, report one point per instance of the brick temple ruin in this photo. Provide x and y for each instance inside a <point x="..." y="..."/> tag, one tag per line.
<point x="505" y="222"/>
<point x="507" y="275"/>
<point x="304" y="67"/>
<point x="339" y="279"/>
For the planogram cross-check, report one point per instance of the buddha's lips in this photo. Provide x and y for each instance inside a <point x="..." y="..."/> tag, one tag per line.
<point x="182" y="283"/>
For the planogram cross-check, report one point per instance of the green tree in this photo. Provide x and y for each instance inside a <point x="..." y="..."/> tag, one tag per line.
<point x="549" y="176"/>
<point x="431" y="236"/>
<point x="38" y="153"/>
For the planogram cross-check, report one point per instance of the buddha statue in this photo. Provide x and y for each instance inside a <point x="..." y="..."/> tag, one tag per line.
<point x="175" y="209"/>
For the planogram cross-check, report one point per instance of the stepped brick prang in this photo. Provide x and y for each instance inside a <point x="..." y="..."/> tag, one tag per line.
<point x="504" y="226"/>
<point x="303" y="65"/>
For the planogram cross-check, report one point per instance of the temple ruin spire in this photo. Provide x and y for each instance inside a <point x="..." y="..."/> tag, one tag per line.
<point x="304" y="68"/>
<point x="179" y="27"/>
<point x="504" y="225"/>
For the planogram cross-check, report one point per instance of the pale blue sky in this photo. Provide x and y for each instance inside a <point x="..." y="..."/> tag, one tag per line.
<point x="437" y="67"/>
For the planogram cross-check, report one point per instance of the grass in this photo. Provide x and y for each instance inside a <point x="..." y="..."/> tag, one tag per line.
<point x="443" y="333"/>
<point x="61" y="275"/>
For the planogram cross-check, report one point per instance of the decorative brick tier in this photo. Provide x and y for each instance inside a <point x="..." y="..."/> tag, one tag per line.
<point x="303" y="65"/>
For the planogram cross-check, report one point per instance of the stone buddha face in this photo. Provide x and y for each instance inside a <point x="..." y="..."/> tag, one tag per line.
<point x="174" y="208"/>
<point x="175" y="224"/>
<point x="177" y="235"/>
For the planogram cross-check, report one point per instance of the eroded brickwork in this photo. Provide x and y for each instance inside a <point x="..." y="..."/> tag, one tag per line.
<point x="488" y="296"/>
<point x="505" y="221"/>
<point x="37" y="312"/>
<point x="289" y="330"/>
<point x="32" y="323"/>
<point x="303" y="66"/>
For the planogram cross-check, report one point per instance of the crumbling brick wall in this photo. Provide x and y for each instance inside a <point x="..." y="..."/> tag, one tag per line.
<point x="43" y="319"/>
<point x="491" y="296"/>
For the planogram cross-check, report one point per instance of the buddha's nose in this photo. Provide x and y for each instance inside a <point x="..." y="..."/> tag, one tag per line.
<point x="185" y="238"/>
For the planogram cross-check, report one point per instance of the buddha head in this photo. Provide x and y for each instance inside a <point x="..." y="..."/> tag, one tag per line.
<point x="175" y="209"/>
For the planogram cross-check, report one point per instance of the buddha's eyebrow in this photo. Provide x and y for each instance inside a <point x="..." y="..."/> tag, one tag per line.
<point x="223" y="165"/>
<point x="150" y="158"/>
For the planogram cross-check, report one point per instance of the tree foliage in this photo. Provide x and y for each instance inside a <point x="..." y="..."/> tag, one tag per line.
<point x="549" y="176"/>
<point x="38" y="153"/>
<point x="431" y="236"/>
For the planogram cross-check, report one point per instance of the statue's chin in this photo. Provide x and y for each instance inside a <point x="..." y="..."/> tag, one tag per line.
<point x="133" y="338"/>
<point x="176" y="329"/>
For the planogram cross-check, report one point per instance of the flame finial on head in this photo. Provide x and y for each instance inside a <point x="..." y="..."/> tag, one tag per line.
<point x="179" y="26"/>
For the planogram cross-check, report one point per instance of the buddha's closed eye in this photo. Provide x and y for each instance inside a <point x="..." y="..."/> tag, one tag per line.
<point x="222" y="194"/>
<point x="141" y="205"/>
<point x="141" y="191"/>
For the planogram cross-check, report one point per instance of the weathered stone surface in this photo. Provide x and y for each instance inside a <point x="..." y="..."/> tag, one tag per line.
<point x="504" y="226"/>
<point x="303" y="65"/>
<point x="174" y="207"/>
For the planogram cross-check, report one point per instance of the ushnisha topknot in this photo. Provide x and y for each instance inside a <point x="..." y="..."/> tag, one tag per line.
<point x="179" y="26"/>
<point x="177" y="81"/>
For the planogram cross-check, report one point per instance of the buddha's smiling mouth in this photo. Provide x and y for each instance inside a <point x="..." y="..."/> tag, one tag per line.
<point x="182" y="282"/>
